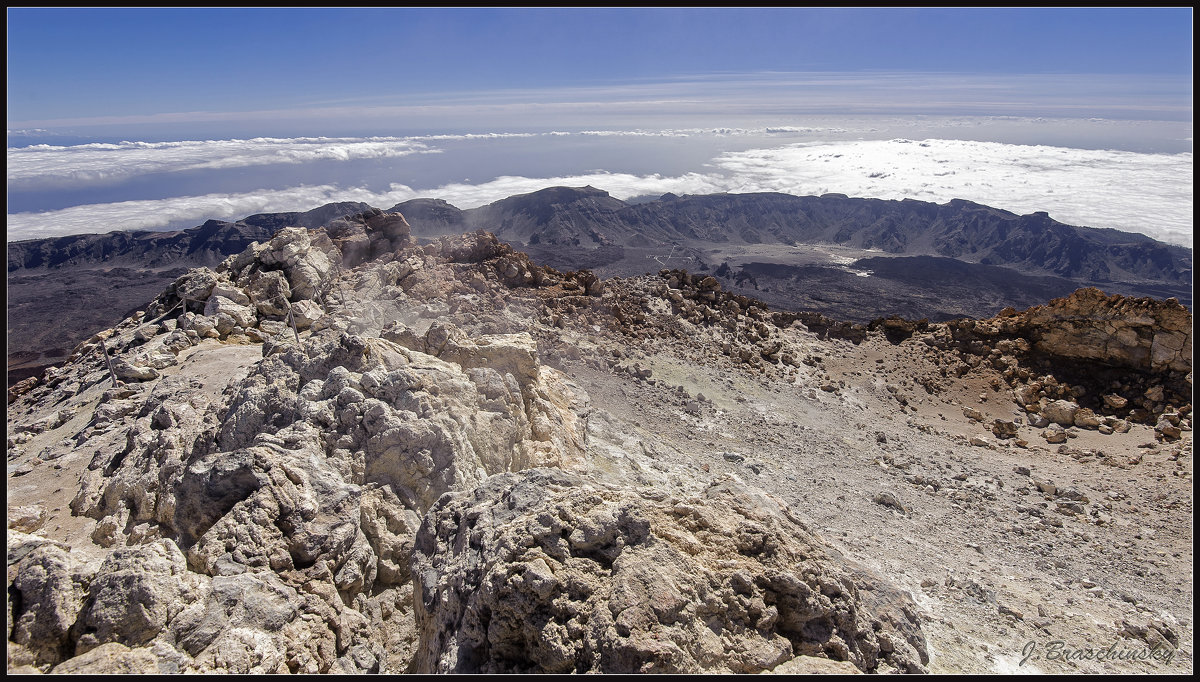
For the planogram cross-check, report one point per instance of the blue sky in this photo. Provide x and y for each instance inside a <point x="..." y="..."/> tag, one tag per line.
<point x="163" y="118"/>
<point x="85" y="63"/>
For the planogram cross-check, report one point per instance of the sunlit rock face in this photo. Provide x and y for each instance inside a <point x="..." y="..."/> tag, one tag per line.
<point x="545" y="571"/>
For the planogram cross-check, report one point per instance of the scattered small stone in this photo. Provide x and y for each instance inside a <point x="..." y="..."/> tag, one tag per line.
<point x="889" y="499"/>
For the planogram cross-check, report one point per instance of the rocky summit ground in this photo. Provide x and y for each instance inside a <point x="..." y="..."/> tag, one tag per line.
<point x="339" y="451"/>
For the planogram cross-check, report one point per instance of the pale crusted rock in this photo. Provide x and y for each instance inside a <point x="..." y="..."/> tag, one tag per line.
<point x="307" y="262"/>
<point x="241" y="315"/>
<point x="514" y="354"/>
<point x="145" y="333"/>
<point x="127" y="369"/>
<point x="26" y="519"/>
<point x="1060" y="412"/>
<point x="286" y="247"/>
<point x="226" y="289"/>
<point x="52" y="587"/>
<point x="203" y="325"/>
<point x="305" y="313"/>
<point x="369" y="235"/>
<point x="563" y="575"/>
<point x="196" y="285"/>
<point x="270" y="291"/>
<point x="472" y="247"/>
<point x="234" y="265"/>
<point x="122" y="487"/>
<point x="176" y="341"/>
<point x="112" y="658"/>
<point x="235" y="626"/>
<point x="811" y="665"/>
<point x="134" y="594"/>
<point x="318" y="464"/>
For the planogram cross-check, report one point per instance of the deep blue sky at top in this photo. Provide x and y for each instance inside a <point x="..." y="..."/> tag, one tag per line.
<point x="78" y="63"/>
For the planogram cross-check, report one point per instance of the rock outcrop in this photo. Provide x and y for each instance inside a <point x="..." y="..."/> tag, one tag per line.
<point x="1140" y="333"/>
<point x="265" y="525"/>
<point x="544" y="571"/>
<point x="1088" y="360"/>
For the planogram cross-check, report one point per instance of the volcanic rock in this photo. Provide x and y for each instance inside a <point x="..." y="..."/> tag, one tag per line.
<point x="579" y="577"/>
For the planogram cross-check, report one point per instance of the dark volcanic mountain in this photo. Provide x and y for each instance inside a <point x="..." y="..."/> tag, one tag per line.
<point x="1036" y="244"/>
<point x="206" y="244"/>
<point x="436" y="216"/>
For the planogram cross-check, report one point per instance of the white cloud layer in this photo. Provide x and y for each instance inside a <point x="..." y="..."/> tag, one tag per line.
<point x="1147" y="193"/>
<point x="1138" y="192"/>
<point x="46" y="165"/>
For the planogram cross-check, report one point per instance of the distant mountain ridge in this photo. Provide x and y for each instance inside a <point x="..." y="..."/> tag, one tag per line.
<point x="587" y="217"/>
<point x="206" y="244"/>
<point x="960" y="229"/>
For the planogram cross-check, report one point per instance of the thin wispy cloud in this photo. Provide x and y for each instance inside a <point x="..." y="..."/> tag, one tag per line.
<point x="746" y="94"/>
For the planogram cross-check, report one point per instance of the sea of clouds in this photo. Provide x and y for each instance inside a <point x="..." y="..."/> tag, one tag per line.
<point x="1150" y="193"/>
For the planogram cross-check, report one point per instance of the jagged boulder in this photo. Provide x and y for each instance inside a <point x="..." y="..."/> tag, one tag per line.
<point x="196" y="285"/>
<point x="1059" y="411"/>
<point x="237" y="314"/>
<point x="47" y="590"/>
<point x="546" y="571"/>
<point x="368" y="235"/>
<point x="270" y="291"/>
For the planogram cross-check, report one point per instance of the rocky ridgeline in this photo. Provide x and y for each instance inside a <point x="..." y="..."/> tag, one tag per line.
<point x="335" y="453"/>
